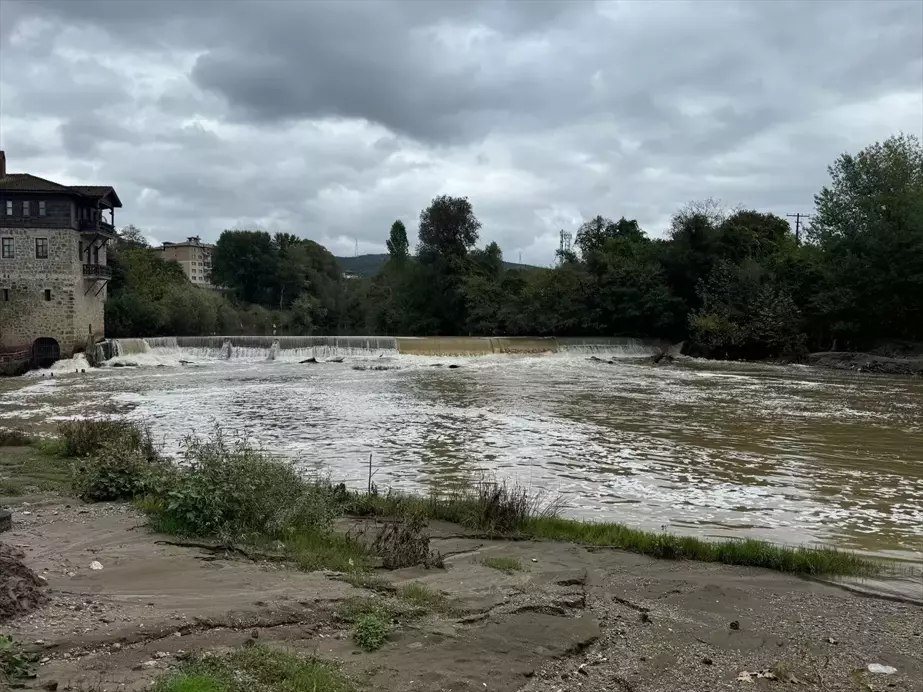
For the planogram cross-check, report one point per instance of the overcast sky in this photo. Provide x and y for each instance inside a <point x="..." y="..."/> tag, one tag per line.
<point x="330" y="120"/>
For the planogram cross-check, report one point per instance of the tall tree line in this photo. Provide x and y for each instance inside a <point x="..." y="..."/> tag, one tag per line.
<point x="732" y="284"/>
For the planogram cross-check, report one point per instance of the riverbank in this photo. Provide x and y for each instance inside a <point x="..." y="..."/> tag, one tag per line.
<point x="867" y="362"/>
<point x="399" y="598"/>
<point x="223" y="487"/>
<point x="534" y="616"/>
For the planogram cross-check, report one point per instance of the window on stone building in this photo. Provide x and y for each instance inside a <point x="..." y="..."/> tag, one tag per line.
<point x="80" y="250"/>
<point x="96" y="254"/>
<point x="47" y="294"/>
<point x="6" y="295"/>
<point x="41" y="248"/>
<point x="25" y="207"/>
<point x="41" y="208"/>
<point x="9" y="207"/>
<point x="6" y="248"/>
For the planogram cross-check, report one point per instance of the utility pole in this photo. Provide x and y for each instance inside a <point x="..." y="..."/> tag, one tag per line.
<point x="565" y="242"/>
<point x="798" y="218"/>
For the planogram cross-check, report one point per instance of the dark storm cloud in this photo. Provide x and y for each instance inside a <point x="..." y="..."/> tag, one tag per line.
<point x="332" y="118"/>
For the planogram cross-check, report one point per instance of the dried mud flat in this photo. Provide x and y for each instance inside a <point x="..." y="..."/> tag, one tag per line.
<point x="573" y="619"/>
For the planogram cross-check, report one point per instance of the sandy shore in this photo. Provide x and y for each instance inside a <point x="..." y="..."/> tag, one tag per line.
<point x="575" y="618"/>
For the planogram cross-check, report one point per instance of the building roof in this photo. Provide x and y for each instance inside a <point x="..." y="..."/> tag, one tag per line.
<point x="98" y="191"/>
<point x="25" y="182"/>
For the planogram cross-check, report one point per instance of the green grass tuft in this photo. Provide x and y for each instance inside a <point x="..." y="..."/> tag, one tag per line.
<point x="254" y="669"/>
<point x="504" y="564"/>
<point x="371" y="631"/>
<point x="747" y="553"/>
<point x="423" y="597"/>
<point x="312" y="550"/>
<point x="509" y="510"/>
<point x="25" y="470"/>
<point x="13" y="438"/>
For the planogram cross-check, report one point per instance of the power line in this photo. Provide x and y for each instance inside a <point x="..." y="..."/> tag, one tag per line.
<point x="798" y="224"/>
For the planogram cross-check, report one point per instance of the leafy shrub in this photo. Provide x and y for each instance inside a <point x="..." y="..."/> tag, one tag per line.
<point x="120" y="471"/>
<point x="118" y="459"/>
<point x="13" y="438"/>
<point x="371" y="631"/>
<point x="84" y="438"/>
<point x="15" y="664"/>
<point x="234" y="491"/>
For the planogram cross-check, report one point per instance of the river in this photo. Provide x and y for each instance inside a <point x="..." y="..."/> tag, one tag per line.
<point x="790" y="454"/>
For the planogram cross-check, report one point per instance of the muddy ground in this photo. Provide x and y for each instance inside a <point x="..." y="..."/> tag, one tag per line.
<point x="575" y="619"/>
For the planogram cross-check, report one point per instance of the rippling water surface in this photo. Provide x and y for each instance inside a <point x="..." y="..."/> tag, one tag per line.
<point x="789" y="454"/>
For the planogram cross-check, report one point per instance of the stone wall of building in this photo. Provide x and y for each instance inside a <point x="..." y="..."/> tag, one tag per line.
<point x="64" y="313"/>
<point x="89" y="313"/>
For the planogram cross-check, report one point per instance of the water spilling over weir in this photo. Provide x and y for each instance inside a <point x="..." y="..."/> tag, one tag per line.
<point x="243" y="347"/>
<point x="296" y="347"/>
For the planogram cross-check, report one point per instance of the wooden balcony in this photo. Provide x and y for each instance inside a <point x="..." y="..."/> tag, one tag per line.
<point x="97" y="271"/>
<point x="95" y="226"/>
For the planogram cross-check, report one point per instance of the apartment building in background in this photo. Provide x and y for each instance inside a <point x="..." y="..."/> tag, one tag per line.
<point x="194" y="256"/>
<point x="53" y="271"/>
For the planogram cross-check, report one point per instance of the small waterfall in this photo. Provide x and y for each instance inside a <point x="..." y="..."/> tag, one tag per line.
<point x="162" y="342"/>
<point x="166" y="350"/>
<point x="614" y="347"/>
<point x="129" y="347"/>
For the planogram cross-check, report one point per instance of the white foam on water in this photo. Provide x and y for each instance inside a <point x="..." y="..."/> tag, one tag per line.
<point x="62" y="367"/>
<point x="176" y="351"/>
<point x="649" y="445"/>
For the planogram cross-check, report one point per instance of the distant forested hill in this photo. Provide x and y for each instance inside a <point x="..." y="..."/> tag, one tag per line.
<point x="369" y="265"/>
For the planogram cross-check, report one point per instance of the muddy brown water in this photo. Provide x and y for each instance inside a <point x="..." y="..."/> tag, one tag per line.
<point x="790" y="454"/>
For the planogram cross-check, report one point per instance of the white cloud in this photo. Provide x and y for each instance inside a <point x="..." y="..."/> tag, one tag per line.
<point x="301" y="117"/>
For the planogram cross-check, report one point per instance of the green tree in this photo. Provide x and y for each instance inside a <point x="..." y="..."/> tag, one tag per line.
<point x="448" y="227"/>
<point x="593" y="233"/>
<point x="246" y="263"/>
<point x="398" y="245"/>
<point x="448" y="230"/>
<point x="869" y="227"/>
<point x="132" y="236"/>
<point x="307" y="312"/>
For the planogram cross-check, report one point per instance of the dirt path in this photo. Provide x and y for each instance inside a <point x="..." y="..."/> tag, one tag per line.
<point x="573" y="619"/>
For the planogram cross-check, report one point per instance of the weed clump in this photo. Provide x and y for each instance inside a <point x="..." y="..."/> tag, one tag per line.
<point x="508" y="565"/>
<point x="371" y="631"/>
<point x="235" y="492"/>
<point x="15" y="664"/>
<point x="85" y="438"/>
<point x="122" y="469"/>
<point x="254" y="669"/>
<point x="423" y="597"/>
<point x="405" y="543"/>
<point x="14" y="438"/>
<point x="118" y="460"/>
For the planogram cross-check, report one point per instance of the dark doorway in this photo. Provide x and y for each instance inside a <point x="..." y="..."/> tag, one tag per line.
<point x="45" y="351"/>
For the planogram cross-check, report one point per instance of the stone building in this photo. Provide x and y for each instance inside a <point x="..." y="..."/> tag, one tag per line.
<point x="194" y="256"/>
<point x="53" y="271"/>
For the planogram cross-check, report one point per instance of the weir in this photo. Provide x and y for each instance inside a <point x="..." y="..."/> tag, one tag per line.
<point x="248" y="347"/>
<point x="257" y="348"/>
